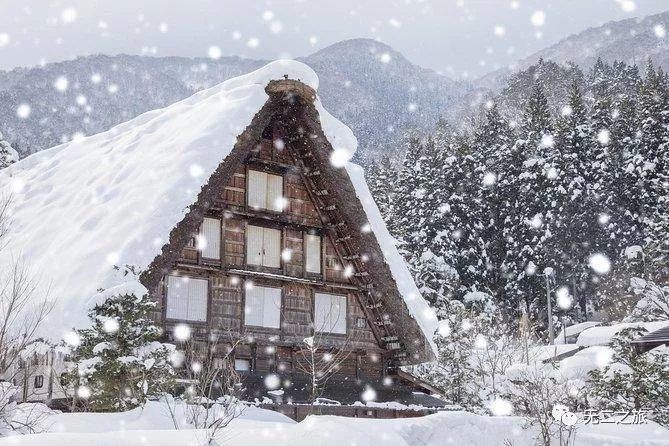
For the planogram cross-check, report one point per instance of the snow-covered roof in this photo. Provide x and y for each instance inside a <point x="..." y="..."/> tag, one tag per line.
<point x="602" y="335"/>
<point x="83" y="207"/>
<point x="575" y="329"/>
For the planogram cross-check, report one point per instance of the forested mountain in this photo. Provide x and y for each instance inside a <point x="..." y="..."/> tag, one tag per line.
<point x="581" y="195"/>
<point x="366" y="84"/>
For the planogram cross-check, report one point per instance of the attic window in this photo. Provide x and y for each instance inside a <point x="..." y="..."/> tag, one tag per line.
<point x="209" y="239"/>
<point x="265" y="191"/>
<point x="330" y="313"/>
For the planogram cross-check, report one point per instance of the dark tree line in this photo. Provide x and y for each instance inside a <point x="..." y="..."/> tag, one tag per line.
<point x="490" y="210"/>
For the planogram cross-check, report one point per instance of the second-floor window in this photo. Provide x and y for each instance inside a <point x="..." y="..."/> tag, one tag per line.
<point x="329" y="313"/>
<point x="265" y="191"/>
<point x="263" y="246"/>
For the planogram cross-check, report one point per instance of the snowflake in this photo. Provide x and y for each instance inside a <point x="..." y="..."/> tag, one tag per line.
<point x="72" y="338"/>
<point x="272" y="381"/>
<point x="81" y="100"/>
<point x="253" y="42"/>
<point x="61" y="83"/>
<point x="195" y="170"/>
<point x="538" y="18"/>
<point x="394" y="23"/>
<point x="547" y="141"/>
<point x="4" y="39"/>
<point x="627" y="5"/>
<point x="412" y="107"/>
<point x="564" y="299"/>
<point x="163" y="27"/>
<point x="500" y="407"/>
<point x="599" y="263"/>
<point x="196" y="367"/>
<point x="276" y="27"/>
<point x="113" y="258"/>
<point x="603" y="219"/>
<point x="181" y="332"/>
<point x="369" y="394"/>
<point x="480" y="342"/>
<point x="110" y="325"/>
<point x="267" y="16"/>
<point x="499" y="30"/>
<point x="112" y="88"/>
<point x="489" y="179"/>
<point x="339" y="157"/>
<point x="604" y="137"/>
<point x="23" y="111"/>
<point x="536" y="221"/>
<point x="313" y="40"/>
<point x="68" y="15"/>
<point x="236" y="35"/>
<point x="385" y="58"/>
<point x="659" y="31"/>
<point x="96" y="78"/>
<point x="214" y="52"/>
<point x="84" y="392"/>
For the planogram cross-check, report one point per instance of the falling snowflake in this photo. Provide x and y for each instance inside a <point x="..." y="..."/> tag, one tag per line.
<point x="500" y="407"/>
<point x="214" y="52"/>
<point x="531" y="268"/>
<point x="489" y="179"/>
<point x="538" y="18"/>
<point x="181" y="332"/>
<point x="444" y="329"/>
<point x="276" y="27"/>
<point x="4" y="39"/>
<point x="113" y="258"/>
<point x="385" y="58"/>
<point x="395" y="23"/>
<point x="61" y="84"/>
<point x="81" y="100"/>
<point x="515" y="4"/>
<point x="112" y="88"/>
<point x="286" y="254"/>
<point x="599" y="263"/>
<point x="368" y="395"/>
<point x="627" y="5"/>
<point x="604" y="137"/>
<point x="366" y="228"/>
<point x="84" y="392"/>
<point x="72" y="338"/>
<point x="23" y="111"/>
<point x="110" y="325"/>
<point x="313" y="40"/>
<point x="248" y="285"/>
<point x="272" y="381"/>
<point x="499" y="30"/>
<point x="563" y="297"/>
<point x="552" y="173"/>
<point x="339" y="157"/>
<point x="163" y="28"/>
<point x="480" y="342"/>
<point x="69" y="15"/>
<point x="267" y="16"/>
<point x="253" y="42"/>
<point x="195" y="170"/>
<point x="177" y="358"/>
<point x="536" y="221"/>
<point x="547" y="141"/>
<point x="196" y="367"/>
<point x="603" y="219"/>
<point x="412" y="107"/>
<point x="659" y="31"/>
<point x="96" y="78"/>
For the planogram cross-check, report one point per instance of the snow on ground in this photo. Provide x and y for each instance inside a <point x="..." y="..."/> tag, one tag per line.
<point x="256" y="427"/>
<point x="111" y="199"/>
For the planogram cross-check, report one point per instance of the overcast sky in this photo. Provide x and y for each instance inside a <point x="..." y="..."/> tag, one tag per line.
<point x="455" y="37"/>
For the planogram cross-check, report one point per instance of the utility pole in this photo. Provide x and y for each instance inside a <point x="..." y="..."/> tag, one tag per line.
<point x="551" y="330"/>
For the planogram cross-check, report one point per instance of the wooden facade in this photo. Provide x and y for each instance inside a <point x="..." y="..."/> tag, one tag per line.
<point x="279" y="150"/>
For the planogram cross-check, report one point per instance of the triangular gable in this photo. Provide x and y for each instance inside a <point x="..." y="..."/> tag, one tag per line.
<point x="291" y="103"/>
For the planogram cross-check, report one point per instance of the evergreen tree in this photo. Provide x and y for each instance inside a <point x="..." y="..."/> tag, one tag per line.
<point x="119" y="362"/>
<point x="381" y="180"/>
<point x="7" y="154"/>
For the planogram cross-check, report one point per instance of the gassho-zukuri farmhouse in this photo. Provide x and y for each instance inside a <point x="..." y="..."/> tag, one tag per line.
<point x="243" y="215"/>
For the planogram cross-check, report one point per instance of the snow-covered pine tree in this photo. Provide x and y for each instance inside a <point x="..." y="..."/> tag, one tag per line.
<point x="495" y="174"/>
<point x="576" y="214"/>
<point x="119" y="362"/>
<point x="381" y="180"/>
<point x="7" y="154"/>
<point x="407" y="190"/>
<point x="526" y="216"/>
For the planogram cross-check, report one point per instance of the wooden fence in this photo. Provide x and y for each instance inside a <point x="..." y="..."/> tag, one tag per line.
<point x="299" y="412"/>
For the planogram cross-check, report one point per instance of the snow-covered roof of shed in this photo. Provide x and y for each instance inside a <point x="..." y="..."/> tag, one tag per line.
<point x="602" y="335"/>
<point x="111" y="199"/>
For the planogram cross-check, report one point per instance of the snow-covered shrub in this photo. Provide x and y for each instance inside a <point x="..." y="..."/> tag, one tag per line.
<point x="7" y="154"/>
<point x="653" y="303"/>
<point x="119" y="362"/>
<point x="633" y="380"/>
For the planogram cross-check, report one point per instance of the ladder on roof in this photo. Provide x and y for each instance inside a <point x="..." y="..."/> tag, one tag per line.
<point x="341" y="235"/>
